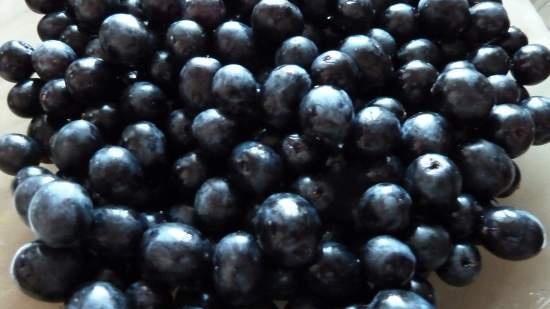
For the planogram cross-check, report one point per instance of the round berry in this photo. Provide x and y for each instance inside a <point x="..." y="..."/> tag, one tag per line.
<point x="214" y="132"/>
<point x="74" y="144"/>
<point x="185" y="39"/>
<point x="375" y="131"/>
<point x="98" y="294"/>
<point x="387" y="262"/>
<point x="405" y="299"/>
<point x="53" y="24"/>
<point x="444" y="18"/>
<point x="426" y="133"/>
<point x="16" y="152"/>
<point x="288" y="229"/>
<point x="184" y="254"/>
<point x="491" y="60"/>
<point x="208" y="13"/>
<point x="23" y="98"/>
<point x="433" y="180"/>
<point x="539" y="108"/>
<point x="297" y="50"/>
<point x="487" y="169"/>
<point x="282" y="93"/>
<point x="276" y="20"/>
<point x="235" y="91"/>
<point x="488" y="21"/>
<point x="512" y="233"/>
<point x="61" y="203"/>
<point x="531" y="64"/>
<point x="511" y="127"/>
<point x="217" y="206"/>
<point x="462" y="267"/>
<point x="464" y="95"/>
<point x="195" y="84"/>
<point x="384" y="208"/>
<point x="336" y="69"/>
<point x="15" y="61"/>
<point x="326" y="113"/>
<point x="336" y="273"/>
<point x="256" y="168"/>
<point x="234" y="43"/>
<point x="45" y="6"/>
<point x="46" y="273"/>
<point x="125" y="39"/>
<point x="52" y="58"/>
<point x="237" y="258"/>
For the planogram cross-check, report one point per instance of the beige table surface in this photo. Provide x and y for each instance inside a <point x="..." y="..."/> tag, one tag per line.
<point x="502" y="285"/>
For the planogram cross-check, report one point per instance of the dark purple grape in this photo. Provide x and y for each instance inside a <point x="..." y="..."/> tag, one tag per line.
<point x="23" y="98"/>
<point x="162" y="13"/>
<point x="98" y="294"/>
<point x="283" y="91"/>
<point x="90" y="79"/>
<point x="374" y="64"/>
<point x="208" y="13"/>
<point x="511" y="233"/>
<point x="462" y="267"/>
<point x="297" y="50"/>
<point x="288" y="229"/>
<point x="61" y="203"/>
<point x="15" y="61"/>
<point x="491" y="60"/>
<point x="75" y="38"/>
<point x="326" y="113"/>
<point x="387" y="299"/>
<point x="185" y="39"/>
<point x="400" y="20"/>
<point x="488" y="21"/>
<point x="45" y="6"/>
<point x="52" y="58"/>
<point x="74" y="145"/>
<point x="53" y="24"/>
<point x="125" y="39"/>
<point x="539" y="108"/>
<point x="48" y="274"/>
<point x="195" y="83"/>
<point x="531" y="64"/>
<point x="238" y="258"/>
<point x="511" y="127"/>
<point x="89" y="14"/>
<point x="506" y="89"/>
<point x="444" y="18"/>
<point x="387" y="262"/>
<point x="513" y="40"/>
<point x="455" y="92"/>
<point x="274" y="21"/>
<point x="18" y="151"/>
<point x="184" y="251"/>
<point x="336" y="69"/>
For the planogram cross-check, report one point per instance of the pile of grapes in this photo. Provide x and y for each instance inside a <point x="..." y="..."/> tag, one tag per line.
<point x="215" y="154"/>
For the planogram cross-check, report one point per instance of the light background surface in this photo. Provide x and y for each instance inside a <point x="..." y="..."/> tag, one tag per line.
<point x="502" y="285"/>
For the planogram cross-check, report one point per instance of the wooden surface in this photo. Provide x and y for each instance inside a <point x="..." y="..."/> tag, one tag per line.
<point x="503" y="285"/>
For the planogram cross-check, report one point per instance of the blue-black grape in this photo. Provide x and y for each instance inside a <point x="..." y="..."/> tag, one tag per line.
<point x="327" y="153"/>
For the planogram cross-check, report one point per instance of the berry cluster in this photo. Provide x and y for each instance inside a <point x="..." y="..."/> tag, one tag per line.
<point x="224" y="154"/>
